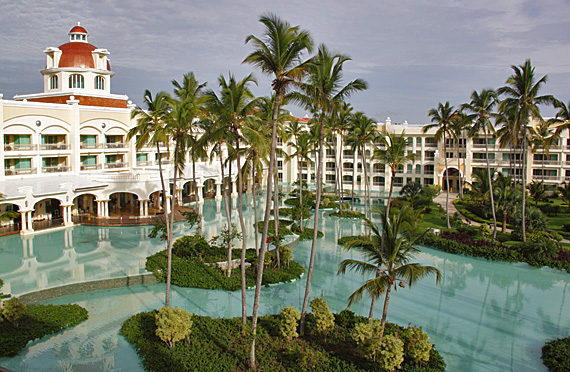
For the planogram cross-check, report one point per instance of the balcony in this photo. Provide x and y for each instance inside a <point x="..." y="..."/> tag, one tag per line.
<point x="20" y="147"/>
<point x="429" y="158"/>
<point x="115" y="165"/>
<point x="56" y="169"/>
<point x="144" y="163"/>
<point x="330" y="169"/>
<point x="546" y="162"/>
<point x="163" y="162"/>
<point x="20" y="171"/>
<point x="116" y="145"/>
<point x="430" y="144"/>
<point x="92" y="146"/>
<point x="55" y="146"/>
<point x="85" y="167"/>
<point x="545" y="178"/>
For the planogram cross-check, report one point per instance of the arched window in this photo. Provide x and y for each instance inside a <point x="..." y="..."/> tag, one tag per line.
<point x="76" y="81"/>
<point x="53" y="82"/>
<point x="99" y="82"/>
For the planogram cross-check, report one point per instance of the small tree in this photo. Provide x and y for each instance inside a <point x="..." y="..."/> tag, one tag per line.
<point x="324" y="318"/>
<point x="367" y="338"/>
<point x="13" y="310"/>
<point x="416" y="344"/>
<point x="391" y="354"/>
<point x="286" y="254"/>
<point x="173" y="325"/>
<point x="290" y="317"/>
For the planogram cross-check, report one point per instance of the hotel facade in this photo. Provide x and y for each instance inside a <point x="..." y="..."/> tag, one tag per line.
<point x="65" y="152"/>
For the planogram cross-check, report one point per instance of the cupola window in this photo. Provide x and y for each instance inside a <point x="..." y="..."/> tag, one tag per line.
<point x="99" y="82"/>
<point x="53" y="82"/>
<point x="76" y="81"/>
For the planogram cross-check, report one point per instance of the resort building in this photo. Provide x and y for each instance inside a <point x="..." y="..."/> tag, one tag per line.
<point x="65" y="154"/>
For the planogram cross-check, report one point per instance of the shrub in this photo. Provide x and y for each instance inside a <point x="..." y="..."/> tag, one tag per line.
<point x="324" y="319"/>
<point x="286" y="254"/>
<point x="367" y="338"/>
<point x="173" y="325"/>
<point x="13" y="310"/>
<point x="391" y="354"/>
<point x="556" y="355"/>
<point x="416" y="344"/>
<point x="290" y="317"/>
<point x="307" y="232"/>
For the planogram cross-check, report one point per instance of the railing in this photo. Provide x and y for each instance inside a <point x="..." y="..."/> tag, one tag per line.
<point x="429" y="158"/>
<point x="163" y="162"/>
<point x="17" y="172"/>
<point x="378" y="170"/>
<point x="330" y="169"/>
<point x="44" y="224"/>
<point x="7" y="229"/>
<point x="92" y="146"/>
<point x="546" y="162"/>
<point x="20" y="147"/>
<point x="429" y="172"/>
<point x="545" y="178"/>
<point x="430" y="144"/>
<point x="330" y="156"/>
<point x="115" y="165"/>
<point x="90" y="166"/>
<point x="144" y="163"/>
<point x="349" y="156"/>
<point x="117" y="145"/>
<point x="398" y="184"/>
<point x="482" y="146"/>
<point x="55" y="146"/>
<point x="56" y="169"/>
<point x="381" y="184"/>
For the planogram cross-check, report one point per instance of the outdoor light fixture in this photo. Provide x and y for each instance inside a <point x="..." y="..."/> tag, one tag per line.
<point x="38" y="123"/>
<point x="103" y="125"/>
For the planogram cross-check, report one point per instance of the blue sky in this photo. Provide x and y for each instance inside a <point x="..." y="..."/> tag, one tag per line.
<point x="414" y="54"/>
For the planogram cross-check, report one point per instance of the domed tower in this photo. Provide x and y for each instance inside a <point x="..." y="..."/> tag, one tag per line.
<point x="77" y="69"/>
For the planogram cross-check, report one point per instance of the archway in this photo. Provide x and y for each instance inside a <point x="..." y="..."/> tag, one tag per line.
<point x="188" y="192"/>
<point x="47" y="213"/>
<point x="227" y="186"/>
<point x="454" y="178"/>
<point x="10" y="219"/>
<point x="155" y="203"/>
<point x="85" y="204"/>
<point x="209" y="188"/>
<point x="123" y="204"/>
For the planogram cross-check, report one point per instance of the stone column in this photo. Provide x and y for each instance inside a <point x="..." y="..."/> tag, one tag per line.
<point x="200" y="193"/>
<point x="218" y="191"/>
<point x="234" y="189"/>
<point x="143" y="207"/>
<point x="168" y="197"/>
<point x="67" y="219"/>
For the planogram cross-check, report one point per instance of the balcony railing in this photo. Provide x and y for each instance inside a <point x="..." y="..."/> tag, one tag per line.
<point x="381" y="184"/>
<point x="430" y="144"/>
<point x="91" y="146"/>
<point x="330" y="169"/>
<point x="429" y="158"/>
<point x="545" y="178"/>
<point x="55" y="146"/>
<point x="546" y="162"/>
<point x="115" y="165"/>
<point x="482" y="146"/>
<point x="56" y="169"/>
<point x="90" y="167"/>
<point x="379" y="170"/>
<point x="19" y="171"/>
<point x="163" y="162"/>
<point x="349" y="156"/>
<point x="117" y="145"/>
<point x="20" y="147"/>
<point x="331" y="156"/>
<point x="144" y="163"/>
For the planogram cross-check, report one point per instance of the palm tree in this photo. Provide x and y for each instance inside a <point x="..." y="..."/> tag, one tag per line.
<point x="150" y="129"/>
<point x="363" y="132"/>
<point x="522" y="98"/>
<point x="278" y="53"/>
<point x="562" y="118"/>
<point x="302" y="148"/>
<point x="441" y="117"/>
<point x="399" y="249"/>
<point x="564" y="191"/>
<point x="457" y="128"/>
<point x="179" y="121"/>
<point x="542" y="137"/>
<point x="480" y="110"/>
<point x="234" y="105"/>
<point x="537" y="191"/>
<point x="320" y="92"/>
<point x="506" y="197"/>
<point x="339" y="124"/>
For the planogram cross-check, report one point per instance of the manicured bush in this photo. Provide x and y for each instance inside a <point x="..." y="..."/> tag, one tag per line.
<point x="38" y="321"/>
<point x="347" y="214"/>
<point x="307" y="233"/>
<point x="367" y="338"/>
<point x="556" y="355"/>
<point x="391" y="353"/>
<point x="173" y="325"/>
<point x="290" y="317"/>
<point x="323" y="317"/>
<point x="416" y="344"/>
<point x="13" y="310"/>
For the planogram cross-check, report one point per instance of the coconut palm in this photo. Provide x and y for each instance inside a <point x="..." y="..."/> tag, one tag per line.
<point x="278" y="53"/>
<point x="396" y="269"/>
<point x="521" y="97"/>
<point x="537" y="191"/>
<point x="441" y="117"/>
<point x="563" y="191"/>
<point x="322" y="89"/>
<point x="363" y="133"/>
<point x="150" y="129"/>
<point x="506" y="197"/>
<point x="234" y="106"/>
<point x="339" y="124"/>
<point x="457" y="128"/>
<point x="480" y="110"/>
<point x="542" y="137"/>
<point x="302" y="148"/>
<point x="562" y="118"/>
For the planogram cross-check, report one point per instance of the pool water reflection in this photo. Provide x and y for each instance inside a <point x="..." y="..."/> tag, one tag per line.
<point x="484" y="316"/>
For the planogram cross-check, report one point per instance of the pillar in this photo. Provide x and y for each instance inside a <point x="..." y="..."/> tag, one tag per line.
<point x="218" y="191"/>
<point x="103" y="208"/>
<point x="168" y="197"/>
<point x="200" y="194"/>
<point x="143" y="207"/>
<point x="234" y="189"/>
<point x="67" y="218"/>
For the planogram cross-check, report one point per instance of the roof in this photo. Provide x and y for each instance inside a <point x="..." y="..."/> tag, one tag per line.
<point x="78" y="30"/>
<point x="77" y="55"/>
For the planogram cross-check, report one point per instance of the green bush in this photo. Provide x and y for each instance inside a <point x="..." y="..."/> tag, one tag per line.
<point x="173" y="325"/>
<point x="416" y="344"/>
<point x="556" y="355"/>
<point x="367" y="338"/>
<point x="391" y="353"/>
<point x="290" y="317"/>
<point x="13" y="310"/>
<point x="38" y="321"/>
<point x="347" y="214"/>
<point x="323" y="317"/>
<point x="307" y="233"/>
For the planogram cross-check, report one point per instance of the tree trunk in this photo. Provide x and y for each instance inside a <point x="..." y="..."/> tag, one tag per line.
<point x="261" y="259"/>
<point x="168" y="227"/>
<point x="491" y="187"/>
<point x="228" y="214"/>
<point x="171" y="221"/>
<point x="504" y="229"/>
<point x="353" y="177"/>
<point x="385" y="310"/>
<point x="315" y="227"/>
<point x="523" y="177"/>
<point x="276" y="211"/>
<point x="447" y="181"/>
<point x="301" y="228"/>
<point x="243" y="237"/>
<point x="340" y="175"/>
<point x="253" y="193"/>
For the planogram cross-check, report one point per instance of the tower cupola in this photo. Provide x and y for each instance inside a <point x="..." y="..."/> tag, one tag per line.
<point x="78" y="34"/>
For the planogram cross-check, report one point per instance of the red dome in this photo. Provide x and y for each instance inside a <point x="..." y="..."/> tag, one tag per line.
<point x="77" y="55"/>
<point x="78" y="29"/>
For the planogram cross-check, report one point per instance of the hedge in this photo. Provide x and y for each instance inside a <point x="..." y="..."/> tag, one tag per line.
<point x="556" y="355"/>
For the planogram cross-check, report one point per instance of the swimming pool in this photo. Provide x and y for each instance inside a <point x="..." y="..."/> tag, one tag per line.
<point x="484" y="316"/>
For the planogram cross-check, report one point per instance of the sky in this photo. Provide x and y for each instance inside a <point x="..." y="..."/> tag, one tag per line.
<point x="413" y="54"/>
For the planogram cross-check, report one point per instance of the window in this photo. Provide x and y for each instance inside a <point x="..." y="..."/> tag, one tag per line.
<point x="418" y="169"/>
<point x="348" y="154"/>
<point x="330" y="166"/>
<point x="430" y="141"/>
<point x="89" y="160"/>
<point x="280" y="164"/>
<point x="53" y="82"/>
<point x="347" y="178"/>
<point x="76" y="81"/>
<point x="99" y="82"/>
<point x="398" y="181"/>
<point x="409" y="170"/>
<point x="410" y="141"/>
<point x="379" y="168"/>
<point x="280" y="177"/>
<point x="279" y="141"/>
<point x="418" y="141"/>
<point x="378" y="181"/>
<point x="141" y="158"/>
<point x="330" y="153"/>
<point x="330" y="178"/>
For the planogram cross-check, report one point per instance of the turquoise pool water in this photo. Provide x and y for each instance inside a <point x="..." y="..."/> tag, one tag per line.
<point x="484" y="316"/>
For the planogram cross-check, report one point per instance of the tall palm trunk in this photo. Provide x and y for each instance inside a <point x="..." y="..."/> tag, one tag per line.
<point x="491" y="187"/>
<point x="168" y="227"/>
<point x="169" y="231"/>
<point x="523" y="177"/>
<point x="459" y="170"/>
<point x="447" y="181"/>
<point x="340" y="176"/>
<point x="353" y="177"/>
<point x="368" y="205"/>
<point x="261" y="258"/>
<point x="253" y="193"/>
<point x="228" y="214"/>
<point x="301" y="228"/>
<point x="276" y="211"/>
<point x="196" y="192"/>
<point x="243" y="236"/>
<point x="385" y="310"/>
<point x="315" y="226"/>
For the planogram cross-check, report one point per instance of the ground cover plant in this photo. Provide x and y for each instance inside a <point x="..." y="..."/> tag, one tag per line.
<point x="20" y="324"/>
<point x="218" y="345"/>
<point x="193" y="265"/>
<point x="556" y="355"/>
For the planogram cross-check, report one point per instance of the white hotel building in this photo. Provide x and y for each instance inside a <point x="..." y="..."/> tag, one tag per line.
<point x="65" y="152"/>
